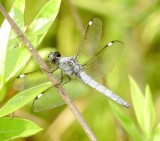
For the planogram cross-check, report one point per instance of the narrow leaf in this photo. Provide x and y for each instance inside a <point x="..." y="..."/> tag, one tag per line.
<point x="157" y="133"/>
<point x="8" y="40"/>
<point x="126" y="122"/>
<point x="138" y="102"/>
<point x="149" y="112"/>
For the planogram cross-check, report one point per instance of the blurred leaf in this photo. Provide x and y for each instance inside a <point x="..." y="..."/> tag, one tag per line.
<point x="149" y="113"/>
<point x="126" y="122"/>
<point x="151" y="26"/>
<point x="16" y="128"/>
<point x="112" y="6"/>
<point x="157" y="133"/>
<point x="138" y="102"/>
<point x="22" y="98"/>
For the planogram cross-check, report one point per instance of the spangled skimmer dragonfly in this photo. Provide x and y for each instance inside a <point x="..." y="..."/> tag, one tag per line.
<point x="81" y="66"/>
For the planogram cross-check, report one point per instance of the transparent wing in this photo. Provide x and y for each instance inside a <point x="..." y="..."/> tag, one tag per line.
<point x="90" y="40"/>
<point x="50" y="98"/>
<point x="29" y="80"/>
<point x="104" y="60"/>
<point x="32" y="79"/>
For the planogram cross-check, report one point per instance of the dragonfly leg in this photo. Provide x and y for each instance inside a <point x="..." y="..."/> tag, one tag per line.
<point x="68" y="79"/>
<point x="61" y="77"/>
<point x="51" y="70"/>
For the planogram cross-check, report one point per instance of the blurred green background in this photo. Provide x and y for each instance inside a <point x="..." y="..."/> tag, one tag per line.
<point x="137" y="24"/>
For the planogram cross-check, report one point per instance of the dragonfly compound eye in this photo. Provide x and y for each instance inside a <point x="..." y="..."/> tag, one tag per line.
<point x="53" y="56"/>
<point x="57" y="54"/>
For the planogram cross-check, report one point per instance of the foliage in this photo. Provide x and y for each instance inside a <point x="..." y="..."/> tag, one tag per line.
<point x="14" y="59"/>
<point x="145" y="115"/>
<point x="16" y="128"/>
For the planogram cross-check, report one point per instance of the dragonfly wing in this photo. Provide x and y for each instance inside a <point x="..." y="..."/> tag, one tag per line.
<point x="50" y="98"/>
<point x="104" y="60"/>
<point x="31" y="79"/>
<point x="90" y="40"/>
<point x="28" y="80"/>
<point x="47" y="100"/>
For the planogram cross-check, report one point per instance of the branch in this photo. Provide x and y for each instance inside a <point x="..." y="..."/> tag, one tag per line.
<point x="76" y="16"/>
<point x="44" y="67"/>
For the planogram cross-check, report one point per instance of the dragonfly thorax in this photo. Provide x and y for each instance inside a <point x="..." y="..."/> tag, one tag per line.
<point x="69" y="65"/>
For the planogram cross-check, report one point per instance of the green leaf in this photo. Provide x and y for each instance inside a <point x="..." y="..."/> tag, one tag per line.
<point x="16" y="128"/>
<point x="42" y="22"/>
<point x="126" y="122"/>
<point x="8" y="40"/>
<point x="157" y="133"/>
<point x="37" y="30"/>
<point x="138" y="102"/>
<point x="149" y="113"/>
<point x="22" y="98"/>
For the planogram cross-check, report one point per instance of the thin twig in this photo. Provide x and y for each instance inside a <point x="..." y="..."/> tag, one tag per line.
<point x="76" y="16"/>
<point x="44" y="67"/>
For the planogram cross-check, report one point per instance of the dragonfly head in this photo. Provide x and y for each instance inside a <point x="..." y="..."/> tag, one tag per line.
<point x="54" y="57"/>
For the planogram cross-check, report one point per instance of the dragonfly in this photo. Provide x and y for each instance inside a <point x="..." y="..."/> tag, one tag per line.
<point x="88" y="63"/>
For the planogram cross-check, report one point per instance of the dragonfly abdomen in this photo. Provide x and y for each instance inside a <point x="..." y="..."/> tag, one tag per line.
<point x="91" y="82"/>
